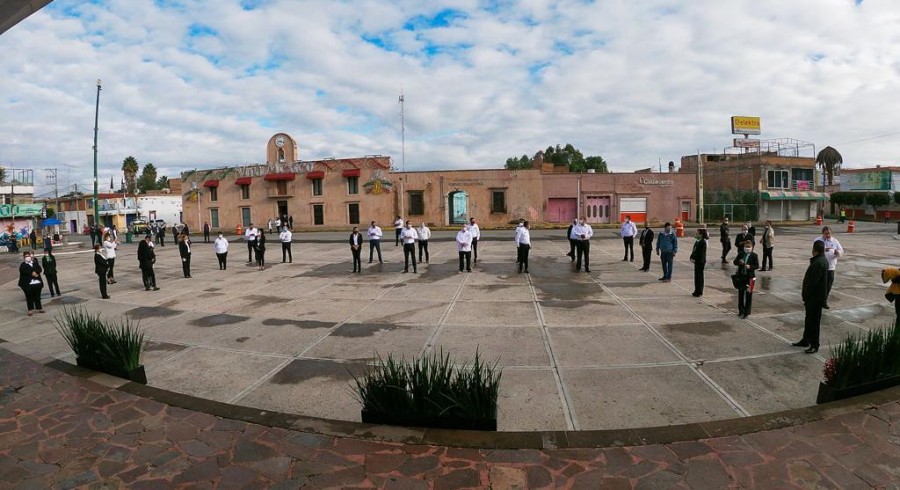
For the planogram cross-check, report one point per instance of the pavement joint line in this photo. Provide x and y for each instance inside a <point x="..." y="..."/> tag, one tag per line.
<point x="612" y="367"/>
<point x="752" y="356"/>
<point x="699" y="373"/>
<point x="429" y="342"/>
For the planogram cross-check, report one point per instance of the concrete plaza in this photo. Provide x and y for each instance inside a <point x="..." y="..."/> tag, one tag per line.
<point x="612" y="349"/>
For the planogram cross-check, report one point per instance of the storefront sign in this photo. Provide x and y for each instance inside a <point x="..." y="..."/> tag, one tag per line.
<point x="744" y="125"/>
<point x="273" y="168"/>
<point x="11" y="210"/>
<point x="746" y="143"/>
<point x="647" y="181"/>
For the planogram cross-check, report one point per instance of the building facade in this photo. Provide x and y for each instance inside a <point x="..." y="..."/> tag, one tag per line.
<point x="876" y="179"/>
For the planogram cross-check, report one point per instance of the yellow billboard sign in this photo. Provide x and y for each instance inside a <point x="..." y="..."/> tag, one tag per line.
<point x="744" y="125"/>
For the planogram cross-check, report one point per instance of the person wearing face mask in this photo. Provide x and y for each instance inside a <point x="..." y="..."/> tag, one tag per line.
<point x="573" y="244"/>
<point x="355" y="249"/>
<point x="726" y="241"/>
<point x="101" y="268"/>
<point x="408" y="237"/>
<point x="813" y="293"/>
<point x="747" y="263"/>
<point x="743" y="236"/>
<point x="221" y="245"/>
<point x="110" y="243"/>
<point x="833" y="250"/>
<point x="30" y="283"/>
<point x="582" y="233"/>
<point x="628" y="231"/>
<point x="464" y="247"/>
<point x="48" y="261"/>
<point x="698" y="258"/>
<point x="768" y="243"/>
<point x="646" y="242"/>
<point x="424" y="234"/>
<point x="666" y="249"/>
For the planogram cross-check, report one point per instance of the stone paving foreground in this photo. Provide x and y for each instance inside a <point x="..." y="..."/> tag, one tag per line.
<point x="58" y="431"/>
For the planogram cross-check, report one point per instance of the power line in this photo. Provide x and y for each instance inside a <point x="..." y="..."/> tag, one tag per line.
<point x="870" y="138"/>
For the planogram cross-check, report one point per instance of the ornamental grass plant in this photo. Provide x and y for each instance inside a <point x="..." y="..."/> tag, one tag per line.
<point x="864" y="359"/>
<point x="114" y="348"/>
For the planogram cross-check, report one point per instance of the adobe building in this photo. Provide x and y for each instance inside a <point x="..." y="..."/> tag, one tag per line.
<point x="341" y="193"/>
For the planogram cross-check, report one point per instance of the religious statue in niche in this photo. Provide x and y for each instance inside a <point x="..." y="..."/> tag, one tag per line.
<point x="378" y="184"/>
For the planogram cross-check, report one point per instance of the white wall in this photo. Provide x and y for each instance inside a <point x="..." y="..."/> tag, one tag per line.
<point x="166" y="207"/>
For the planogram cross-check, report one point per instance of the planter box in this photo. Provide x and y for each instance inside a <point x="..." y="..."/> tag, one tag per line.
<point x="829" y="394"/>
<point x="435" y="422"/>
<point x="137" y="375"/>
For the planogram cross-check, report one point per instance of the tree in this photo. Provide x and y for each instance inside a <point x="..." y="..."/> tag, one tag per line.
<point x="147" y="180"/>
<point x="2" y="174"/>
<point x="830" y="161"/>
<point x="562" y="156"/>
<point x="130" y="169"/>
<point x="877" y="199"/>
<point x="596" y="163"/>
<point x="848" y="198"/>
<point x="162" y="182"/>
<point x="513" y="163"/>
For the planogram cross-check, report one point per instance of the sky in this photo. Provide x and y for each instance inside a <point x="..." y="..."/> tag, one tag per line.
<point x="202" y="84"/>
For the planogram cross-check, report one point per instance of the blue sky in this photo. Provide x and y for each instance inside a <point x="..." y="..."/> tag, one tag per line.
<point x="197" y="84"/>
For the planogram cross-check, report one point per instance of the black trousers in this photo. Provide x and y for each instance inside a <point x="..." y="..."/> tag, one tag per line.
<point x="423" y="247"/>
<point x="33" y="295"/>
<point x="646" y="253"/>
<point x="573" y="244"/>
<point x="830" y="282"/>
<point x="629" y="245"/>
<point x="357" y="263"/>
<point x="897" y="311"/>
<point x="698" y="277"/>
<point x="186" y="265"/>
<point x="409" y="251"/>
<point x="206" y="236"/>
<point x="812" y="324"/>
<point x="467" y="257"/>
<point x="374" y="245"/>
<point x="475" y="250"/>
<point x="745" y="301"/>
<point x="251" y="245"/>
<point x="522" y="257"/>
<point x="286" y="252"/>
<point x="52" y="284"/>
<point x="223" y="260"/>
<point x="261" y="257"/>
<point x="109" y="272"/>
<point x="767" y="258"/>
<point x="397" y="236"/>
<point x="583" y="250"/>
<point x="101" y="279"/>
<point x="148" y="275"/>
<point x="161" y="238"/>
<point x="726" y="247"/>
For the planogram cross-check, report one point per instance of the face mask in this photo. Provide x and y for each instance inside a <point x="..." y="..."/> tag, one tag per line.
<point x="746" y="250"/>
<point x="28" y="259"/>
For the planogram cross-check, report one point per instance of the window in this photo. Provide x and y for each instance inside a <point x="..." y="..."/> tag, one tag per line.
<point x="352" y="185"/>
<point x="214" y="217"/>
<point x="318" y="213"/>
<point x="281" y="155"/>
<point x="802" y="178"/>
<point x="416" y="203"/>
<point x="245" y="217"/>
<point x="317" y="187"/>
<point x="779" y="179"/>
<point x="245" y="191"/>
<point x="281" y="188"/>
<point x="498" y="200"/>
<point x="353" y="213"/>
<point x="213" y="194"/>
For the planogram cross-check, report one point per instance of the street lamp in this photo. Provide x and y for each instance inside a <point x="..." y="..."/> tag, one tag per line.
<point x="96" y="120"/>
<point x="197" y="194"/>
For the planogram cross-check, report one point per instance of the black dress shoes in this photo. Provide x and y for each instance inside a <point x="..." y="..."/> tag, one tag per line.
<point x="811" y="350"/>
<point x="800" y="344"/>
<point x="826" y="306"/>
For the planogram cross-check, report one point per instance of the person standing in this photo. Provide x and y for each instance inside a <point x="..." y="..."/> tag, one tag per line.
<point x="752" y="231"/>
<point x="109" y="248"/>
<point x="814" y="294"/>
<point x="375" y="241"/>
<point x="409" y="236"/>
<point x="355" y="249"/>
<point x="524" y="241"/>
<point x="475" y="231"/>
<point x="582" y="233"/>
<point x="30" y="283"/>
<point x="398" y="228"/>
<point x="286" y="238"/>
<point x="628" y="232"/>
<point x="93" y="231"/>
<point x="269" y="225"/>
<point x="48" y="261"/>
<point x="291" y="222"/>
<point x="768" y="243"/>
<point x="101" y="268"/>
<point x="250" y="235"/>
<point x="184" y="250"/>
<point x="261" y="251"/>
<point x="424" y="235"/>
<point x="221" y="246"/>
<point x="277" y="223"/>
<point x="698" y="258"/>
<point x="725" y="239"/>
<point x="833" y="250"/>
<point x="744" y="236"/>
<point x="747" y="262"/>
<point x="48" y="243"/>
<point x="161" y="235"/>
<point x="464" y="247"/>
<point x="32" y="237"/>
<point x="572" y="242"/>
<point x="205" y="232"/>
<point x="843" y="215"/>
<point x="146" y="258"/>
<point x="666" y="249"/>
<point x="175" y="234"/>
<point x="646" y="243"/>
<point x="892" y="275"/>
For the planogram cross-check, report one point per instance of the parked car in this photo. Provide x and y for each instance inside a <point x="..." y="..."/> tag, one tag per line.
<point x="139" y="226"/>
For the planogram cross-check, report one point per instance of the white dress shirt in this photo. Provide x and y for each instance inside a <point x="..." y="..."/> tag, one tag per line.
<point x="221" y="244"/>
<point x="424" y="233"/>
<point x="375" y="233"/>
<point x="409" y="235"/>
<point x="475" y="231"/>
<point x="524" y="237"/>
<point x="833" y="250"/>
<point x="250" y="234"/>
<point x="582" y="229"/>
<point x="286" y="236"/>
<point x="464" y="241"/>
<point x="398" y="223"/>
<point x="109" y="248"/>
<point x="628" y="229"/>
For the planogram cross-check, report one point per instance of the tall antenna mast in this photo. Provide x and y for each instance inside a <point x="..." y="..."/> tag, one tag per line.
<point x="402" y="134"/>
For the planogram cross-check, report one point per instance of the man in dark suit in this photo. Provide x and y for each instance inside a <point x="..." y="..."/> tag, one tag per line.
<point x="698" y="257"/>
<point x="184" y="249"/>
<point x="572" y="243"/>
<point x="146" y="259"/>
<point x="747" y="262"/>
<point x="49" y="263"/>
<point x="814" y="293"/>
<point x="726" y="241"/>
<point x="205" y="232"/>
<point x="646" y="243"/>
<point x="101" y="267"/>
<point x="744" y="236"/>
<point x="355" y="249"/>
<point x="30" y="282"/>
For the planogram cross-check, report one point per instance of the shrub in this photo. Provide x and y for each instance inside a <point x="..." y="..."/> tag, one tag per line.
<point x="114" y="348"/>
<point x="861" y="360"/>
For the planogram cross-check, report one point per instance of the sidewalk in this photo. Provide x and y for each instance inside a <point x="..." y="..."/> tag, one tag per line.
<point x="59" y="431"/>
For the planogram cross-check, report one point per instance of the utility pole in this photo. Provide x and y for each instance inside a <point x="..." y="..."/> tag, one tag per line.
<point x="96" y="120"/>
<point x="402" y="134"/>
<point x="51" y="176"/>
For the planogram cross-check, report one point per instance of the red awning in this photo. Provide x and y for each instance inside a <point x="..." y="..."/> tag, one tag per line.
<point x="351" y="172"/>
<point x="243" y="181"/>
<point x="211" y="183"/>
<point x="282" y="176"/>
<point x="319" y="174"/>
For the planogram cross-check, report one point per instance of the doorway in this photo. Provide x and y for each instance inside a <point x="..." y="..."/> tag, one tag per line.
<point x="458" y="207"/>
<point x="282" y="210"/>
<point x="596" y="209"/>
<point x="685" y="210"/>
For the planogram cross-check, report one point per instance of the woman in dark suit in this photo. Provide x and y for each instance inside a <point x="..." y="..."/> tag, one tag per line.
<point x="698" y="257"/>
<point x="747" y="263"/>
<point x="101" y="268"/>
<point x="260" y="249"/>
<point x="30" y="282"/>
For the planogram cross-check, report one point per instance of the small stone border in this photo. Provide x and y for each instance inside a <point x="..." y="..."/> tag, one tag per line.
<point x="490" y="440"/>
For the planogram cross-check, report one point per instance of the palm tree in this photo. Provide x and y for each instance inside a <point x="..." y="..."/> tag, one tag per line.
<point x="130" y="169"/>
<point x="830" y="161"/>
<point x="162" y="182"/>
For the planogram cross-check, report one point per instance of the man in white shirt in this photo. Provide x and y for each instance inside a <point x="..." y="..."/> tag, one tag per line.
<point x="250" y="237"/>
<point x="582" y="233"/>
<point x="833" y="250"/>
<point x="464" y="247"/>
<point x="475" y="231"/>
<point x="518" y="230"/>
<point x="424" y="235"/>
<point x="375" y="241"/>
<point x="628" y="233"/>
<point x="398" y="227"/>
<point x="409" y="236"/>
<point x="524" y="246"/>
<point x="286" y="238"/>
